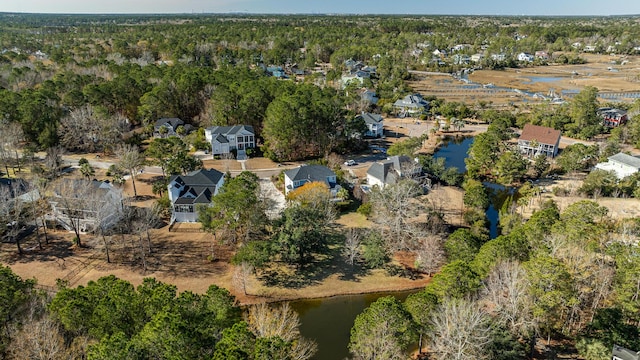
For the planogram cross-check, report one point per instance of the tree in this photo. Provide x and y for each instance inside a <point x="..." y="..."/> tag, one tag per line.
<point x="460" y="330"/>
<point x="393" y="207"/>
<point x="578" y="157"/>
<point x="129" y="158"/>
<point x="280" y="323"/>
<point x="300" y="234"/>
<point x="237" y="209"/>
<point x="540" y="165"/>
<point x="475" y="194"/>
<point x="430" y="254"/>
<point x="511" y="167"/>
<point x="14" y="293"/>
<point x="483" y="154"/>
<point x="599" y="182"/>
<point x="11" y="212"/>
<point x="457" y="280"/>
<point x="462" y="245"/>
<point x="550" y="291"/>
<point x="87" y="170"/>
<point x="384" y="330"/>
<point x="352" y="244"/>
<point x="584" y="112"/>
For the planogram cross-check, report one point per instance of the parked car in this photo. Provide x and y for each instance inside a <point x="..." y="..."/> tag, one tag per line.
<point x="350" y="162"/>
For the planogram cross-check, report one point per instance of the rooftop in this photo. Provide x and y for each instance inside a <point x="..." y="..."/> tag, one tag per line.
<point x="541" y="134"/>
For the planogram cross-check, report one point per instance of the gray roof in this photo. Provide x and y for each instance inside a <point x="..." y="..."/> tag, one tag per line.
<point x="413" y="101"/>
<point x="230" y="130"/>
<point x="383" y="170"/>
<point x="198" y="186"/>
<point x="221" y="139"/>
<point x="371" y="118"/>
<point x="310" y="173"/>
<point x="174" y="122"/>
<point x="625" y="159"/>
<point x="620" y="352"/>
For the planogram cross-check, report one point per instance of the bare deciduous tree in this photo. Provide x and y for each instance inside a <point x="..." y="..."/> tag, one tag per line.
<point x="505" y="292"/>
<point x="353" y="240"/>
<point x="53" y="161"/>
<point x="430" y="254"/>
<point x="280" y="321"/>
<point x="39" y="337"/>
<point x="85" y="129"/>
<point x="461" y="331"/>
<point x="241" y="276"/>
<point x="11" y="216"/>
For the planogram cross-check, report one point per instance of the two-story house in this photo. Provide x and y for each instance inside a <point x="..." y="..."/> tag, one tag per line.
<point x="224" y="139"/>
<point x="375" y="124"/>
<point x="301" y="175"/>
<point x="392" y="170"/>
<point x="536" y="140"/>
<point x="186" y="192"/>
<point x="612" y="117"/>
<point x="84" y="205"/>
<point x="413" y="104"/>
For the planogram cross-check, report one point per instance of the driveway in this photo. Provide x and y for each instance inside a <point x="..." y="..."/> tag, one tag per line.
<point x="274" y="198"/>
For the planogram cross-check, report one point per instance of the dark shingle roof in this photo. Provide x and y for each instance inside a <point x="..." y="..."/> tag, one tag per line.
<point x="310" y="172"/>
<point x="174" y="122"/>
<point x="198" y="187"/>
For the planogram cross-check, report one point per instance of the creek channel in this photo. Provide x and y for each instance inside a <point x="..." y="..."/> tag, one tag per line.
<point x="328" y="321"/>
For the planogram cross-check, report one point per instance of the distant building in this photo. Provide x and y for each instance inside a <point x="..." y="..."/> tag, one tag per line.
<point x="170" y="126"/>
<point x="621" y="164"/>
<point x="525" y="57"/>
<point x="536" y="140"/>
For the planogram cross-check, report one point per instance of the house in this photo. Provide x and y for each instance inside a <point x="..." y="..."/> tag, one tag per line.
<point x="536" y="140"/>
<point x="375" y="124"/>
<point x="303" y="174"/>
<point x="612" y="117"/>
<point x="621" y="353"/>
<point x="621" y="164"/>
<point x="543" y="55"/>
<point x="169" y="124"/>
<point x="461" y="59"/>
<point x="525" y="57"/>
<point x="499" y="57"/>
<point x="413" y="104"/>
<point x="390" y="171"/>
<point x="476" y="58"/>
<point x="225" y="139"/>
<point x="186" y="192"/>
<point x="86" y="203"/>
<point x="368" y="96"/>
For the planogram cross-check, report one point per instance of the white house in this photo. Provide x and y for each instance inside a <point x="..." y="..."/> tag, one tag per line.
<point x="536" y="140"/>
<point x="413" y="104"/>
<point x="224" y="139"/>
<point x="621" y="164"/>
<point x="186" y="192"/>
<point x="301" y="175"/>
<point x="390" y="171"/>
<point x="375" y="124"/>
<point x="476" y="58"/>
<point x="86" y="203"/>
<point x="525" y="57"/>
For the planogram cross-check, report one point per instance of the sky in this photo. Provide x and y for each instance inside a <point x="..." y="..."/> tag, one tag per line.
<point x="418" y="7"/>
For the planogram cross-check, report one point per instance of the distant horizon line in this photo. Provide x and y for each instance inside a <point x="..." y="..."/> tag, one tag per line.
<point x="303" y="13"/>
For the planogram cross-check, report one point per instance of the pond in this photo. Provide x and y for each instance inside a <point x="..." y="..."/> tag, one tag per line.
<point x="328" y="321"/>
<point x="543" y="79"/>
<point x="454" y="151"/>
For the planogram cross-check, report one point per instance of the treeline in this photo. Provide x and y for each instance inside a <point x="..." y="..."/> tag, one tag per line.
<point x="569" y="274"/>
<point x="111" y="319"/>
